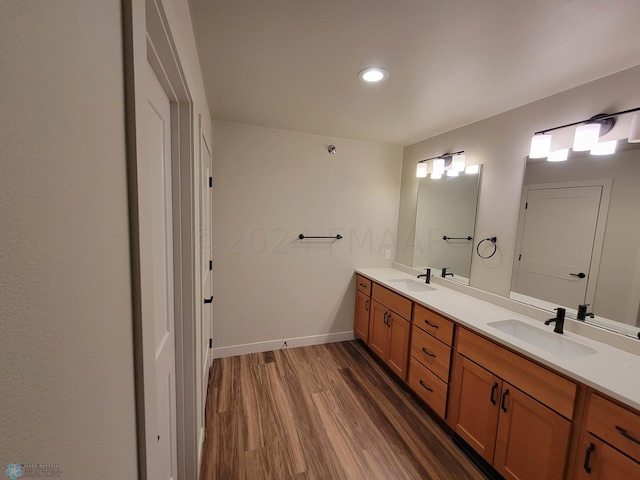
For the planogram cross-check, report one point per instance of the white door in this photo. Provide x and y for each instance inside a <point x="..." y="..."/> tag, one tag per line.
<point x="158" y="144"/>
<point x="557" y="243"/>
<point x="207" y="264"/>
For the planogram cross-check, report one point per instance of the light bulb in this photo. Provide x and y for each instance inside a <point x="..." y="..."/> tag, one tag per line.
<point x="540" y="146"/>
<point x="586" y="137"/>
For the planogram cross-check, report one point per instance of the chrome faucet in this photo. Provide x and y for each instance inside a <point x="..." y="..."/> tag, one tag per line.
<point x="559" y="320"/>
<point x="445" y="273"/>
<point x="426" y="275"/>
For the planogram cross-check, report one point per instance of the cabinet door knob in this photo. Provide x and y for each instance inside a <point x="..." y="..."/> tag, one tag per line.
<point x="504" y="398"/>
<point x="587" y="458"/>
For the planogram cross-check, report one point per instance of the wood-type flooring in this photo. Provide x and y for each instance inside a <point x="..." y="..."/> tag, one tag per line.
<point x="324" y="412"/>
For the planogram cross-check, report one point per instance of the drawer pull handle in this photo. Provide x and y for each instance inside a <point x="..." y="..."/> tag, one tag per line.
<point x="626" y="434"/>
<point x="504" y="397"/>
<point x="425" y="386"/>
<point x="424" y="350"/>
<point x="431" y="324"/>
<point x="363" y="285"/>
<point x="587" y="457"/>
<point x="493" y="392"/>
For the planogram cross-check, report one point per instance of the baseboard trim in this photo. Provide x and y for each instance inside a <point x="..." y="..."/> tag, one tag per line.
<point x="268" y="346"/>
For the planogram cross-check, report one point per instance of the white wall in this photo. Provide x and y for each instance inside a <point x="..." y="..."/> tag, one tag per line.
<point x="271" y="185"/>
<point x="65" y="309"/>
<point x="501" y="144"/>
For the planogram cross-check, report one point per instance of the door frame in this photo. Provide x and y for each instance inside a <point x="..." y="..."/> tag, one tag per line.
<point x="147" y="37"/>
<point x="598" y="240"/>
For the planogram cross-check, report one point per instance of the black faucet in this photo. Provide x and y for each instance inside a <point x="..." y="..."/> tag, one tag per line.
<point x="445" y="273"/>
<point x="559" y="320"/>
<point x="427" y="275"/>
<point x="582" y="312"/>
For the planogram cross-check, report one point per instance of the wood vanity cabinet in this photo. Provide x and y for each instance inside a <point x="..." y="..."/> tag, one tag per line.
<point x="431" y="339"/>
<point x="389" y="328"/>
<point x="609" y="447"/>
<point x="363" y="307"/>
<point x="515" y="413"/>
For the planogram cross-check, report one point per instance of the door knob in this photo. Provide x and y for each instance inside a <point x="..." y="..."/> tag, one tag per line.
<point x="579" y="275"/>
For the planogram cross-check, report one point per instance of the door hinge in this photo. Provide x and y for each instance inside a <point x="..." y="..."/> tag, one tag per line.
<point x="208" y="300"/>
<point x="210" y="264"/>
<point x="519" y="257"/>
<point x="211" y="343"/>
<point x="526" y="205"/>
<point x="210" y="182"/>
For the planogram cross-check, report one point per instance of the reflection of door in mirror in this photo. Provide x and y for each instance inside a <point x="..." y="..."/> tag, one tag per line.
<point x="557" y="245"/>
<point x="446" y="207"/>
<point x="613" y="281"/>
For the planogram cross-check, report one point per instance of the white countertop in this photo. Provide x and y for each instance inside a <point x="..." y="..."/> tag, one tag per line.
<point x="610" y="370"/>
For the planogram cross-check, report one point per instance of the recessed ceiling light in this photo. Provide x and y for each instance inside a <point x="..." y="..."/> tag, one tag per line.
<point x="373" y="75"/>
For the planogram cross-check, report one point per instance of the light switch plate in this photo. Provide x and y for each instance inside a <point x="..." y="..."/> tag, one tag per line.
<point x="387" y="254"/>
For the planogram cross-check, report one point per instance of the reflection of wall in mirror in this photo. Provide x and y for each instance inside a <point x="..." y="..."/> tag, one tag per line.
<point x="617" y="295"/>
<point x="445" y="207"/>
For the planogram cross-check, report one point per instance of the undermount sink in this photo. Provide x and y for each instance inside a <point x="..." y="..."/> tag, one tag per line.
<point x="411" y="285"/>
<point x="553" y="343"/>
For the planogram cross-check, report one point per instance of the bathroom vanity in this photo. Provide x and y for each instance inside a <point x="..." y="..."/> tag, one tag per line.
<point x="534" y="404"/>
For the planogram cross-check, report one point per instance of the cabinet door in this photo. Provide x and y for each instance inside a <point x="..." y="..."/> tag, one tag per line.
<point x="378" y="329"/>
<point x="361" y="324"/>
<point x="476" y="416"/>
<point x="532" y="439"/>
<point x="398" y="344"/>
<point x="598" y="461"/>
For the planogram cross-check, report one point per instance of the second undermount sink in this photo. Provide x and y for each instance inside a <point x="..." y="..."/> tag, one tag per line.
<point x="548" y="341"/>
<point x="411" y="285"/>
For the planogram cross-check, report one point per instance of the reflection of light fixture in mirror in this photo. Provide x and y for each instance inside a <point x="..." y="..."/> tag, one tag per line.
<point x="436" y="175"/>
<point x="634" y="131"/>
<point x="421" y="170"/>
<point x="452" y="173"/>
<point x="604" y="148"/>
<point x="558" y="155"/>
<point x="472" y="169"/>
<point x="540" y="146"/>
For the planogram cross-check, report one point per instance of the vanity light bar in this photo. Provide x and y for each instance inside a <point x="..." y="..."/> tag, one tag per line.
<point x="586" y="136"/>
<point x="436" y="166"/>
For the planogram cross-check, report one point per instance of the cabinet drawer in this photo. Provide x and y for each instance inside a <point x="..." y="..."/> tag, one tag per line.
<point x="433" y="324"/>
<point x="431" y="353"/>
<point x="393" y="301"/>
<point x="597" y="460"/>
<point x="549" y="388"/>
<point x="428" y="387"/>
<point x="363" y="284"/>
<point x="615" y="425"/>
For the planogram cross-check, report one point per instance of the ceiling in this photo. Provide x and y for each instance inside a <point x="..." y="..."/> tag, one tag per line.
<point x="293" y="64"/>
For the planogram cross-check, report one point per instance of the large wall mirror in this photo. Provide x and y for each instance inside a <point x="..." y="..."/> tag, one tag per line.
<point x="446" y="207"/>
<point x="578" y="239"/>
